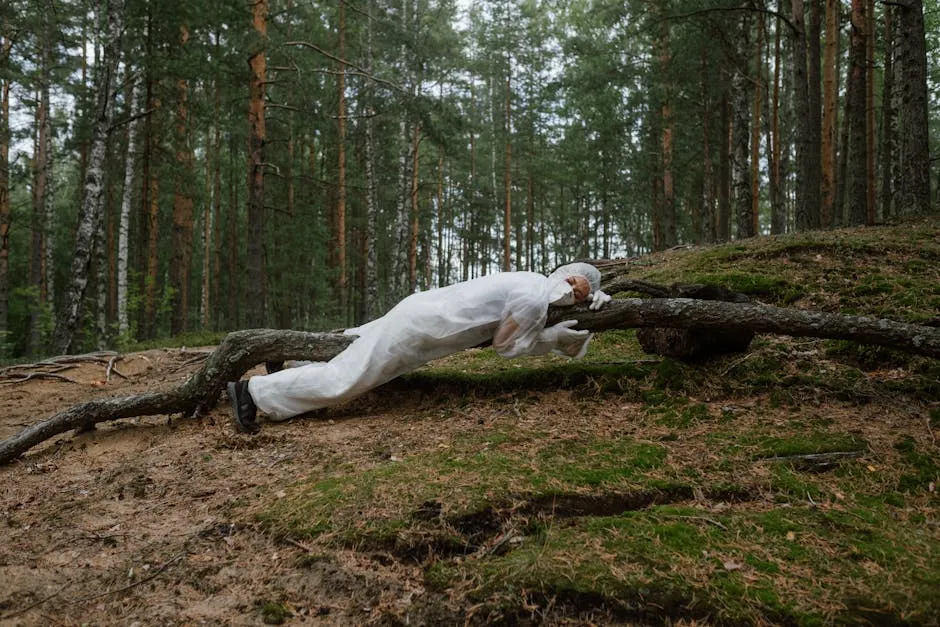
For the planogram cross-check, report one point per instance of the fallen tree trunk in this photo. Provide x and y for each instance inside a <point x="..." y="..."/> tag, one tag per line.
<point x="242" y="350"/>
<point x="682" y="313"/>
<point x="238" y="352"/>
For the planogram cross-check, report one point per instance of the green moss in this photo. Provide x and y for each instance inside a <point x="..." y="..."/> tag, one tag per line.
<point x="923" y="469"/>
<point x="274" y="613"/>
<point x="815" y="442"/>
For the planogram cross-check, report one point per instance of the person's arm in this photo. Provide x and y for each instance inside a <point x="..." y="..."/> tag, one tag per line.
<point x="505" y="334"/>
<point x="560" y="338"/>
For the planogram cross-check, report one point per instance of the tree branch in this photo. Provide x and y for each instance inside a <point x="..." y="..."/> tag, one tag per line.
<point x="362" y="71"/>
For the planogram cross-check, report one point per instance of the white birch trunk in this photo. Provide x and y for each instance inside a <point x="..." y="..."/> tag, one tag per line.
<point x="101" y="276"/>
<point x="128" y="196"/>
<point x="90" y="211"/>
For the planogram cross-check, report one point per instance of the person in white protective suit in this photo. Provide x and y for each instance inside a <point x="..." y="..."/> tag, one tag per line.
<point x="509" y="309"/>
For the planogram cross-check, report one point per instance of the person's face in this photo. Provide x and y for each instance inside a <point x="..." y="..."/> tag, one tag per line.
<point x="580" y="287"/>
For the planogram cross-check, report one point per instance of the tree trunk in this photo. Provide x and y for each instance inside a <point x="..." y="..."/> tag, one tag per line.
<point x="777" y="210"/>
<point x="128" y="196"/>
<point x="507" y="177"/>
<point x="369" y="295"/>
<point x="148" y="239"/>
<point x="90" y="211"/>
<point x="829" y="121"/>
<point x="255" y="292"/>
<point x="870" y="112"/>
<point x="806" y="212"/>
<point x="741" y="180"/>
<point x="5" y="47"/>
<point x="667" y="202"/>
<point x="756" y="125"/>
<point x="42" y="169"/>
<point x="724" y="172"/>
<point x="814" y="96"/>
<point x="181" y="265"/>
<point x="340" y="216"/>
<point x="913" y="197"/>
<point x="888" y="119"/>
<point x="101" y="272"/>
<point x="857" y="193"/>
<point x="414" y="222"/>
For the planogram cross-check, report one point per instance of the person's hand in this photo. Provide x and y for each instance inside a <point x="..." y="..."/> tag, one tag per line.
<point x="598" y="300"/>
<point x="571" y="343"/>
<point x="562" y="334"/>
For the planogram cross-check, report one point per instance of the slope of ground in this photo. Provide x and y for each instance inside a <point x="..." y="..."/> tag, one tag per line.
<point x="793" y="484"/>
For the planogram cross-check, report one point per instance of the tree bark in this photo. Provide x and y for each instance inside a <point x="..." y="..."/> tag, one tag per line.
<point x="90" y="211"/>
<point x="413" y="216"/>
<point x="5" y="46"/>
<point x="741" y="124"/>
<point x="856" y="191"/>
<point x="870" y="111"/>
<point x="807" y="152"/>
<point x="369" y="296"/>
<point x="756" y="126"/>
<point x="507" y="174"/>
<point x="888" y="118"/>
<point x="830" y="99"/>
<point x="340" y="216"/>
<point x="723" y="221"/>
<point x="913" y="197"/>
<point x="242" y="350"/>
<point x="181" y="266"/>
<point x="255" y="290"/>
<point x="128" y="195"/>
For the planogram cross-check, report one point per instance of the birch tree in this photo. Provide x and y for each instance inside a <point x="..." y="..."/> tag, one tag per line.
<point x="5" y="46"/>
<point x="130" y="164"/>
<point x="90" y="211"/>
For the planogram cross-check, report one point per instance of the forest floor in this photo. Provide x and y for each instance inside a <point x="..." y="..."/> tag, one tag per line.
<point x="623" y="489"/>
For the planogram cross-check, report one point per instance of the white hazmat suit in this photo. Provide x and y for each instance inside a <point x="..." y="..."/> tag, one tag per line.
<point x="429" y="325"/>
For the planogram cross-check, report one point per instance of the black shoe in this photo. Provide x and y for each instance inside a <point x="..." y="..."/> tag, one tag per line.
<point x="244" y="412"/>
<point x="273" y="366"/>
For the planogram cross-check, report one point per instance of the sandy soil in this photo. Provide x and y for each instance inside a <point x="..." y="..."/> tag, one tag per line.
<point x="133" y="523"/>
<point x="149" y="522"/>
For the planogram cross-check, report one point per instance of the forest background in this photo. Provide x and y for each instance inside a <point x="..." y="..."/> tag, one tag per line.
<point x="179" y="168"/>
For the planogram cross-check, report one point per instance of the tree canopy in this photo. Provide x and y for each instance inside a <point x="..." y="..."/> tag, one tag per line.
<point x="305" y="165"/>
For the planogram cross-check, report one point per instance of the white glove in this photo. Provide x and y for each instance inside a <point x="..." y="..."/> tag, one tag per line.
<point x="561" y="334"/>
<point x="598" y="300"/>
<point x="563" y="340"/>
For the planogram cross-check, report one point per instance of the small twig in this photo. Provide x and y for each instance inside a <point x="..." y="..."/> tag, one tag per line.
<point x="929" y="430"/>
<point x="152" y="575"/>
<point x="38" y="375"/>
<point x="22" y="611"/>
<point x="815" y="457"/>
<point x="299" y="545"/>
<point x="710" y="521"/>
<point x="737" y="362"/>
<point x="112" y="368"/>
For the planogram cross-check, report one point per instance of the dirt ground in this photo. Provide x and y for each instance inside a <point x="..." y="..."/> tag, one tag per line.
<point x="149" y="522"/>
<point x="132" y="523"/>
